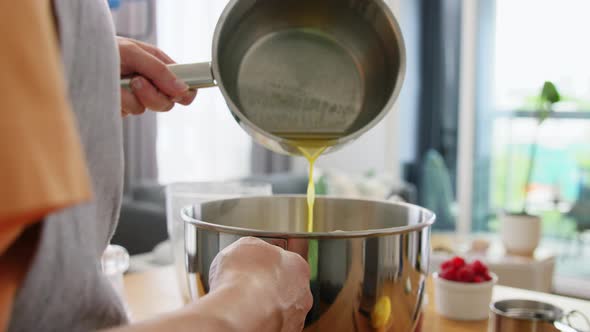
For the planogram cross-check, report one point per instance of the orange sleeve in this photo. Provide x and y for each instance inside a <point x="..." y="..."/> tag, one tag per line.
<point x="42" y="166"/>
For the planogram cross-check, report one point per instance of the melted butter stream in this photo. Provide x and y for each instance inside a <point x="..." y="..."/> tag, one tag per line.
<point x="311" y="154"/>
<point x="311" y="148"/>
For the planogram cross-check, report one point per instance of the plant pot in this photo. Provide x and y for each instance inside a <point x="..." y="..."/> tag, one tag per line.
<point x="463" y="301"/>
<point x="520" y="233"/>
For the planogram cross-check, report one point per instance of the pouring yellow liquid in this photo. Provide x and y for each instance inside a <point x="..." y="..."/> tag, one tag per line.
<point x="311" y="154"/>
<point x="311" y="147"/>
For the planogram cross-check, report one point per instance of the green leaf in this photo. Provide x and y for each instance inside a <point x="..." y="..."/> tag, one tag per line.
<point x="549" y="93"/>
<point x="549" y="96"/>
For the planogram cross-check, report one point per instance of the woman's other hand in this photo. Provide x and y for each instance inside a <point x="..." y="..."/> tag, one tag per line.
<point x="275" y="281"/>
<point x="153" y="85"/>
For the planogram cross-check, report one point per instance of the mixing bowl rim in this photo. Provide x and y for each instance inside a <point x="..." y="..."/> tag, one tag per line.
<point x="376" y="232"/>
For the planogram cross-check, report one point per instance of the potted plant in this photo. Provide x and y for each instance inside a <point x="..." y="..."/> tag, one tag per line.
<point x="521" y="231"/>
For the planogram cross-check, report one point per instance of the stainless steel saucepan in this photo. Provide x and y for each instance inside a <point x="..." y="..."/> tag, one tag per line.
<point x="369" y="259"/>
<point x="304" y="69"/>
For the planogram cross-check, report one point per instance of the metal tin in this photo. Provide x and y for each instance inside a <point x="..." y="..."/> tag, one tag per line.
<point x="526" y="316"/>
<point x="364" y="253"/>
<point x="295" y="70"/>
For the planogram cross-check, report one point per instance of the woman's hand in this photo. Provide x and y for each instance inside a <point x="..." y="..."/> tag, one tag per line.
<point x="254" y="287"/>
<point x="153" y="86"/>
<point x="274" y="283"/>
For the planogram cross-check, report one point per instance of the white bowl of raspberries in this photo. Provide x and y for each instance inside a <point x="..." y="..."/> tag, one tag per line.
<point x="463" y="291"/>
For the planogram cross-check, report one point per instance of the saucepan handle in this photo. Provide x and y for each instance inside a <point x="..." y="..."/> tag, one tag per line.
<point x="564" y="327"/>
<point x="195" y="75"/>
<point x="567" y="326"/>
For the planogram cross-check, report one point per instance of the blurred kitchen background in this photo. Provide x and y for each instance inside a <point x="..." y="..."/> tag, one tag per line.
<point x="458" y="141"/>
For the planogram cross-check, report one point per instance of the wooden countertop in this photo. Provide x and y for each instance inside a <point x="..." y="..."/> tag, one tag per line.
<point x="154" y="292"/>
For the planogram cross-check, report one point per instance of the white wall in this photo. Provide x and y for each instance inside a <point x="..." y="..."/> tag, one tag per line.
<point x="200" y="142"/>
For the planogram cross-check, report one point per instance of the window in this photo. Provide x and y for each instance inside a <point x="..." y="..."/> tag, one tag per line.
<point x="536" y="41"/>
<point x="201" y="141"/>
<point x="539" y="40"/>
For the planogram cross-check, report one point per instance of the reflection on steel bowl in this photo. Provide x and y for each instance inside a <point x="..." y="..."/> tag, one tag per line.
<point x="369" y="259"/>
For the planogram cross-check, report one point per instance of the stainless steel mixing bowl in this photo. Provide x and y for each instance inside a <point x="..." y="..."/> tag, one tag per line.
<point x="301" y="69"/>
<point x="362" y="253"/>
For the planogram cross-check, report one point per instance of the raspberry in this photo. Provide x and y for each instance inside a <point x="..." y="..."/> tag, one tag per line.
<point x="466" y="274"/>
<point x="458" y="261"/>
<point x="479" y="267"/>
<point x="456" y="269"/>
<point x="449" y="274"/>
<point x="447" y="264"/>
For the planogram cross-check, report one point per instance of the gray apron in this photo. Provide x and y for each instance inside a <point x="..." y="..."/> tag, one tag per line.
<point x="64" y="289"/>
